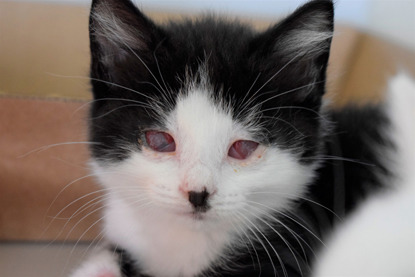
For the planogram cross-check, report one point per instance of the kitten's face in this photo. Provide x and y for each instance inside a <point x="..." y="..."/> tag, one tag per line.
<point x="206" y="121"/>
<point x="201" y="148"/>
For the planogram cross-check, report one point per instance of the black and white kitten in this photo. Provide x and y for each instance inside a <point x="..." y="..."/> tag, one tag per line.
<point x="215" y="151"/>
<point x="378" y="238"/>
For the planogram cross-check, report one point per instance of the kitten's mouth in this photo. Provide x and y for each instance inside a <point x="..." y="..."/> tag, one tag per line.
<point x="194" y="215"/>
<point x="198" y="215"/>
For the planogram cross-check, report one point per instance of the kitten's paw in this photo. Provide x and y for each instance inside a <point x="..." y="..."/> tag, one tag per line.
<point x="101" y="264"/>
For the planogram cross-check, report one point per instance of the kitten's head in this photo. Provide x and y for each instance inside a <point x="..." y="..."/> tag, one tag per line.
<point x="207" y="120"/>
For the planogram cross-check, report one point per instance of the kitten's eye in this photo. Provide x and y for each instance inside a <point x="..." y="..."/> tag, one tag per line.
<point x="160" y="141"/>
<point x="242" y="149"/>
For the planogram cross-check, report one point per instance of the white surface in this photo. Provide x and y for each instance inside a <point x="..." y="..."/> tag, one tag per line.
<point x="39" y="260"/>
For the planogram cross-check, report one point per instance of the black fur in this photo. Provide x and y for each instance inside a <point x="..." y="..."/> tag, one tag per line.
<point x="127" y="264"/>
<point x="236" y="58"/>
<point x="353" y="169"/>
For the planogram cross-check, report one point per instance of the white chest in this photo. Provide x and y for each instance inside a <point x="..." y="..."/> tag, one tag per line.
<point x="163" y="245"/>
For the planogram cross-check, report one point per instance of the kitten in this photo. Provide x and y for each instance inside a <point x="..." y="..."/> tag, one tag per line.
<point x="214" y="148"/>
<point x="379" y="237"/>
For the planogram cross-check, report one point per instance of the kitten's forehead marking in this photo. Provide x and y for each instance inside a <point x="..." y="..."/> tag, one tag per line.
<point x="203" y="129"/>
<point x="199" y="118"/>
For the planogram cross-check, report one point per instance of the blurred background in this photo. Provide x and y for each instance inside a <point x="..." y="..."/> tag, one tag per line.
<point x="392" y="19"/>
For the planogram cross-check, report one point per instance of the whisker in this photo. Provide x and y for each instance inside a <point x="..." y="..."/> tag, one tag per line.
<point x="269" y="80"/>
<point x="46" y="147"/>
<point x="138" y="57"/>
<point x="336" y="158"/>
<point x="250" y="223"/>
<point x="80" y="209"/>
<point x="107" y="83"/>
<point x="86" y="205"/>
<point x="144" y="105"/>
<point x="96" y="242"/>
<point x="116" y="109"/>
<point x="247" y="245"/>
<point x="249" y="90"/>
<point x="289" y="124"/>
<point x="72" y="164"/>
<point x="284" y="93"/>
<point x="68" y="185"/>
<point x="294" y="220"/>
<point x="299" y="197"/>
<point x="61" y="191"/>
<point x="279" y="235"/>
<point x="149" y="202"/>
<point x="66" y="223"/>
<point x="167" y="95"/>
<point x="89" y="228"/>
<point x="297" y="108"/>
<point x="296" y="236"/>
<point x="101" y="236"/>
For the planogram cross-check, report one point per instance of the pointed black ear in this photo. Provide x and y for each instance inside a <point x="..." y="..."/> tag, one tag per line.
<point x="118" y="25"/>
<point x="295" y="51"/>
<point x="122" y="41"/>
<point x="306" y="33"/>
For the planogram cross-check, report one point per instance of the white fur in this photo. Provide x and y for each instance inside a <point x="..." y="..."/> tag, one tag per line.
<point x="148" y="214"/>
<point x="102" y="264"/>
<point x="379" y="239"/>
<point x="305" y="42"/>
<point x="310" y="38"/>
<point x="114" y="33"/>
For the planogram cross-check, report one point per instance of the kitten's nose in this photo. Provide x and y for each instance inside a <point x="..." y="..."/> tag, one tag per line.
<point x="199" y="200"/>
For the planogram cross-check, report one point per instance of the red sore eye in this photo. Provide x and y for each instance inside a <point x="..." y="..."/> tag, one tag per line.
<point x="160" y="141"/>
<point x="242" y="149"/>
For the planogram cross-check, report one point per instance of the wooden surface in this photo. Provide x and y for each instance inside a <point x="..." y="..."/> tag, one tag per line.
<point x="43" y="170"/>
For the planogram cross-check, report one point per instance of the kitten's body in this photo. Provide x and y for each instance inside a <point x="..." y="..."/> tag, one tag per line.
<point x="379" y="237"/>
<point x="256" y="169"/>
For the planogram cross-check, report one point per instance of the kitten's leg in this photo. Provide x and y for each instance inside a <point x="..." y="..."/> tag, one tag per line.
<point x="104" y="263"/>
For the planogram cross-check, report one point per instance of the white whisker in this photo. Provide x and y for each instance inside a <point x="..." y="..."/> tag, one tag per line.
<point x="336" y="158"/>
<point x="292" y="196"/>
<point x="247" y="245"/>
<point x="247" y="103"/>
<point x="284" y="93"/>
<point x="291" y="218"/>
<point x="46" y="147"/>
<point x="285" y="242"/>
<point x="250" y="223"/>
<point x="107" y="83"/>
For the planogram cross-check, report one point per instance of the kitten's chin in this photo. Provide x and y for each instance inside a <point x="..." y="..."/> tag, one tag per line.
<point x="192" y="215"/>
<point x="196" y="219"/>
<point x="196" y="216"/>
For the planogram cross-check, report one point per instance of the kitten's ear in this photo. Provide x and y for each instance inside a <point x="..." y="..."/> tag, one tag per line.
<point x="122" y="39"/>
<point x="296" y="50"/>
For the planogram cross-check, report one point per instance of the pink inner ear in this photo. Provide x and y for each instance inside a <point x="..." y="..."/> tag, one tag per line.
<point x="242" y="149"/>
